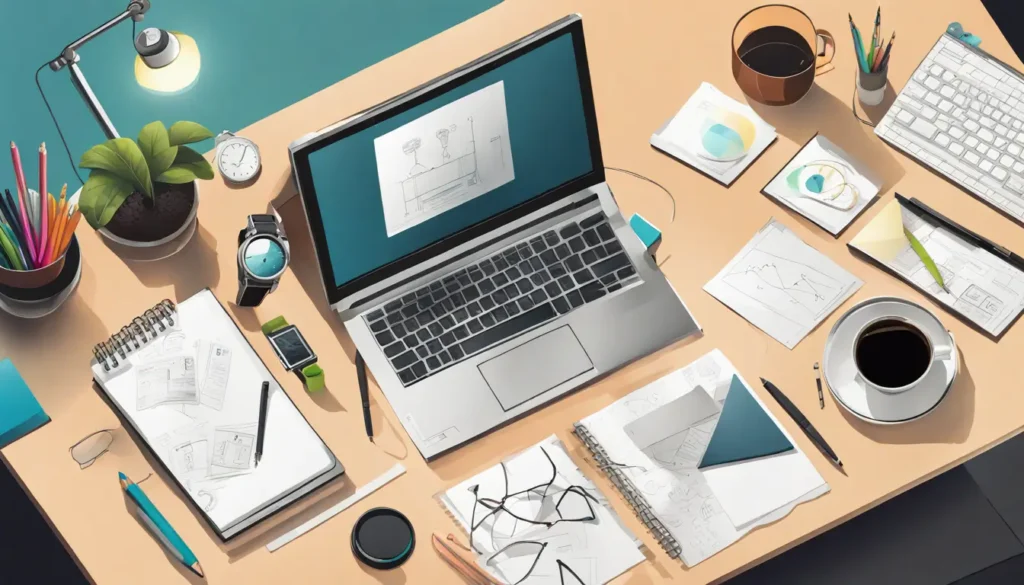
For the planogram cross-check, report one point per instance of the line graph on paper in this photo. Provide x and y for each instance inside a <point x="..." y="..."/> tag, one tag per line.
<point x="444" y="158"/>
<point x="782" y="285"/>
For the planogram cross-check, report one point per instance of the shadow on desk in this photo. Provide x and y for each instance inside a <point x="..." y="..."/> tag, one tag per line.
<point x="951" y="421"/>
<point x="190" y="270"/>
<point x="820" y="111"/>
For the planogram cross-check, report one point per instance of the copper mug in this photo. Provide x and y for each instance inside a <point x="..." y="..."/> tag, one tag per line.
<point x="775" y="55"/>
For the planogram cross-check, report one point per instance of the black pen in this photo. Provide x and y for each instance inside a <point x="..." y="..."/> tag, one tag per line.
<point x="262" y="429"/>
<point x="978" y="240"/>
<point x="364" y="394"/>
<point x="802" y="421"/>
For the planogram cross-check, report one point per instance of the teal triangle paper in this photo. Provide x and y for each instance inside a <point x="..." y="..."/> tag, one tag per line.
<point x="744" y="430"/>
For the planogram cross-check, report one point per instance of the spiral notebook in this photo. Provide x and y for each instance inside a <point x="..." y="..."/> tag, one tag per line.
<point x="186" y="380"/>
<point x="650" y="444"/>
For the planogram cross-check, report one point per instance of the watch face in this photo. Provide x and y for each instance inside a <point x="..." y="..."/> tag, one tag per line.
<point x="238" y="160"/>
<point x="264" y="257"/>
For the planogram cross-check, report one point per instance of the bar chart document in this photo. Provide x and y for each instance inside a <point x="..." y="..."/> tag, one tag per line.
<point x="443" y="159"/>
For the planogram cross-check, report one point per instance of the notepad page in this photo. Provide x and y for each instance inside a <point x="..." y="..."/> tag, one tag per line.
<point x="210" y="450"/>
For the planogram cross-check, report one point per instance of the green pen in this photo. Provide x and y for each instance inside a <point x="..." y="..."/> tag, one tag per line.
<point x="160" y="527"/>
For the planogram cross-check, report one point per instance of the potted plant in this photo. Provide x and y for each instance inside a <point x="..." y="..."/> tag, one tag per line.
<point x="144" y="193"/>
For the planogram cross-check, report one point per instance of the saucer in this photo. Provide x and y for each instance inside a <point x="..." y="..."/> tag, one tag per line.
<point x="868" y="403"/>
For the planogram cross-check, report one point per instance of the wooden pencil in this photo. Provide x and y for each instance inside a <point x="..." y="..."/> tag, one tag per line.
<point x="70" y="230"/>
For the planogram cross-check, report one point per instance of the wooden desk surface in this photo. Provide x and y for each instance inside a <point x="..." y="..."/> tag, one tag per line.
<point x="646" y="59"/>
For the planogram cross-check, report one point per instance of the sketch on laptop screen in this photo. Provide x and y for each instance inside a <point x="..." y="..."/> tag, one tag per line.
<point x="443" y="159"/>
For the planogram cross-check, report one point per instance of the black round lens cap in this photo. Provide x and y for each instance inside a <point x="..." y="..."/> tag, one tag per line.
<point x="383" y="538"/>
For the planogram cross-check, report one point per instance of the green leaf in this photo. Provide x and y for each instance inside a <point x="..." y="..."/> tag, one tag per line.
<point x="188" y="166"/>
<point x="929" y="264"/>
<point x="187" y="133"/>
<point x="102" y="196"/>
<point x="156" y="147"/>
<point x="122" y="157"/>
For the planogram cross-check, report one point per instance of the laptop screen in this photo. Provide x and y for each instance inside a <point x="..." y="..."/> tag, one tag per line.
<point x="491" y="141"/>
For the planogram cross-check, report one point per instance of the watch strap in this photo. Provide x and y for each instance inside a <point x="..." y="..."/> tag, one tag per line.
<point x="275" y="324"/>
<point x="313" y="376"/>
<point x="265" y="223"/>
<point x="251" y="294"/>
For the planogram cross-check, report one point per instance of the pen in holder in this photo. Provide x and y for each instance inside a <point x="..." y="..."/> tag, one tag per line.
<point x="871" y="86"/>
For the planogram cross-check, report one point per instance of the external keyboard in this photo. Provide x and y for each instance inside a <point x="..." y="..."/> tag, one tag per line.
<point x="523" y="286"/>
<point x="962" y="114"/>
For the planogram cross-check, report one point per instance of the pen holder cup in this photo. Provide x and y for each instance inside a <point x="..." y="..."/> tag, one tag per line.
<point x="31" y="294"/>
<point x="871" y="86"/>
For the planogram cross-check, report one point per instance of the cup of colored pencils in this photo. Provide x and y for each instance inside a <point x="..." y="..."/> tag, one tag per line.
<point x="872" y="61"/>
<point x="36" y="229"/>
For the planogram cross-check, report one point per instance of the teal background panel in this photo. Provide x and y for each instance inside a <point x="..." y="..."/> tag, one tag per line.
<point x="258" y="56"/>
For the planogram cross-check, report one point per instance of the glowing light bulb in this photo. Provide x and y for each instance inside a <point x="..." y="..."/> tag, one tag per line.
<point x="178" y="75"/>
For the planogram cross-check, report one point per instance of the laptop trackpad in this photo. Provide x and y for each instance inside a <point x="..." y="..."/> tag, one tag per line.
<point x="535" y="367"/>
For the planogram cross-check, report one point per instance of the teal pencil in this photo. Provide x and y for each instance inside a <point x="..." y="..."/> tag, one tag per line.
<point x="858" y="45"/>
<point x="19" y="247"/>
<point x="159" y="525"/>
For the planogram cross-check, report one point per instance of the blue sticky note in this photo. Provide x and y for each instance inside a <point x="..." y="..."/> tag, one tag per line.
<point x="744" y="430"/>
<point x="20" y="412"/>
<point x="645" y="230"/>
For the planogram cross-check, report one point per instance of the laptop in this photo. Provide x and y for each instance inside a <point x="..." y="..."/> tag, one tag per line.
<point x="467" y="239"/>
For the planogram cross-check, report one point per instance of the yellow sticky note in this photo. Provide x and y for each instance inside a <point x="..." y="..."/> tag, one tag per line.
<point x="883" y="238"/>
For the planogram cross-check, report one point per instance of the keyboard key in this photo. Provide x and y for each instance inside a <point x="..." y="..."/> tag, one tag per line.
<point x="956" y="148"/>
<point x="513" y="273"/>
<point x="452" y="286"/>
<point x="566" y="283"/>
<point x="972" y="126"/>
<point x="942" y="139"/>
<point x="411" y="341"/>
<point x="474" y="309"/>
<point x="924" y="128"/>
<point x="393" y="306"/>
<point x="424" y="301"/>
<point x="511" y="256"/>
<point x="548" y="257"/>
<point x="592" y="292"/>
<point x="526" y="303"/>
<point x="411" y="325"/>
<point x="626" y="273"/>
<point x="406" y="376"/>
<point x="614" y="287"/>
<point x="403" y="361"/>
<point x="986" y="165"/>
<point x="574" y="263"/>
<point x="419" y="369"/>
<point x="538" y="296"/>
<point x="436" y="285"/>
<point x="576" y="244"/>
<point x="500" y="264"/>
<point x="474" y="326"/>
<point x="589" y="257"/>
<point x="525" y="267"/>
<point x="525" y="251"/>
<point x="610" y="265"/>
<point x="378" y="326"/>
<point x="398" y="330"/>
<point x="569" y="231"/>
<point x="999" y="173"/>
<point x="539" y="278"/>
<point x="583" y="276"/>
<point x="486" y="286"/>
<point x="470" y="293"/>
<point x="599" y="250"/>
<point x="986" y="135"/>
<point x="500" y="314"/>
<point x="460" y="332"/>
<point x="422" y="351"/>
<point x="475" y="274"/>
<point x="499" y="298"/>
<point x="956" y="132"/>
<point x="394" y="349"/>
<point x="524" y="285"/>
<point x="551" y="238"/>
<point x="487" y="267"/>
<point x="905" y="117"/>
<point x="536" y="263"/>
<point x="557" y="270"/>
<point x="423" y="334"/>
<point x="514" y="326"/>
<point x="433" y="363"/>
<point x="456" y="351"/>
<point x="447" y="322"/>
<point x="537" y="245"/>
<point x="972" y="157"/>
<point x="445" y="357"/>
<point x="424" y="318"/>
<point x="448" y="338"/>
<point x="575" y="298"/>
<point x="561" y="305"/>
<point x="437" y="295"/>
<point x="464" y="279"/>
<point x="460" y="315"/>
<point x="395" y="317"/>
<point x="1006" y="161"/>
<point x="605" y="232"/>
<point x="613" y="247"/>
<point x="487" y="320"/>
<point x="592" y="221"/>
<point x="608" y="279"/>
<point x="486" y="303"/>
<point x="512" y="309"/>
<point x="553" y="289"/>
<point x="435" y="329"/>
<point x="562" y="251"/>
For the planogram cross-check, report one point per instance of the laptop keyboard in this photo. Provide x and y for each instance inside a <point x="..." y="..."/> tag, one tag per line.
<point x="525" y="285"/>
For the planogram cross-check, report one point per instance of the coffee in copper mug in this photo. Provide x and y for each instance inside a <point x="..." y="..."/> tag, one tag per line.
<point x="774" y="54"/>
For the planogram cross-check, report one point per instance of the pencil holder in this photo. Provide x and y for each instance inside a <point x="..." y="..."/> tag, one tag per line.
<point x="871" y="86"/>
<point x="37" y="293"/>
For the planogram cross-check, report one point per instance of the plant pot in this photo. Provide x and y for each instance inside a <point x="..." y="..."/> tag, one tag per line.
<point x="148" y="251"/>
<point x="27" y="296"/>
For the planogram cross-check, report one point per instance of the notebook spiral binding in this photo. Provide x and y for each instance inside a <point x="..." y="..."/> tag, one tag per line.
<point x="133" y="336"/>
<point x="629" y="491"/>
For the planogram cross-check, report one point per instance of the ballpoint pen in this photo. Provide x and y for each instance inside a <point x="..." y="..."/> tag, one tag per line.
<point x="801" y="420"/>
<point x="364" y="394"/>
<point x="817" y="379"/>
<point x="159" y="525"/>
<point x="261" y="430"/>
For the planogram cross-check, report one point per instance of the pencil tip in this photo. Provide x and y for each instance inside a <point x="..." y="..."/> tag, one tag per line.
<point x="198" y="569"/>
<point x="763" y="381"/>
<point x="372" y="441"/>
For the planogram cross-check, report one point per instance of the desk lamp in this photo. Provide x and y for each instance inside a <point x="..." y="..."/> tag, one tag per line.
<point x="165" y="62"/>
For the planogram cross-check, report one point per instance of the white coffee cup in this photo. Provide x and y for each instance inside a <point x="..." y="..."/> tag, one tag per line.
<point x="938" y="350"/>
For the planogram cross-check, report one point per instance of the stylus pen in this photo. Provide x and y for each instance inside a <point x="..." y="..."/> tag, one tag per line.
<point x="364" y="394"/>
<point x="262" y="429"/>
<point x="980" y="241"/>
<point x="802" y="421"/>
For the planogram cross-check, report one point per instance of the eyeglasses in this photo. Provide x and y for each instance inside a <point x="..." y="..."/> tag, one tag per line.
<point x="531" y="506"/>
<point x="472" y="573"/>
<point x="86" y="451"/>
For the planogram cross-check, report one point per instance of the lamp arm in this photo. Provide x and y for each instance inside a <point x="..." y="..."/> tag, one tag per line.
<point x="135" y="11"/>
<point x="90" y="99"/>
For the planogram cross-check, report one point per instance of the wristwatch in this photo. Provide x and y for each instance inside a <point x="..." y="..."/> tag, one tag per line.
<point x="263" y="255"/>
<point x="294" y="352"/>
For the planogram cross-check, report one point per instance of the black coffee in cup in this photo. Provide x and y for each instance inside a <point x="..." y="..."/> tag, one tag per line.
<point x="892" y="354"/>
<point x="777" y="51"/>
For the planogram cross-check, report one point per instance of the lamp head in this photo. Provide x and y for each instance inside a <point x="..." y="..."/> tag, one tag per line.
<point x="167" y="62"/>
<point x="157" y="47"/>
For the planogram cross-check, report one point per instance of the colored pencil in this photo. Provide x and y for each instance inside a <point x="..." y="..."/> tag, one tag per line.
<point x="19" y="175"/>
<point x="888" y="50"/>
<point x="56" y="230"/>
<point x="858" y="45"/>
<point x="9" y="250"/>
<point x="44" y="207"/>
<point x="12" y="206"/>
<point x="874" y="36"/>
<point x="70" y="230"/>
<point x="21" y="248"/>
